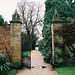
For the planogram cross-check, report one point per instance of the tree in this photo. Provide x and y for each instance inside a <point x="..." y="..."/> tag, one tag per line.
<point x="64" y="10"/>
<point x="31" y="16"/>
<point x="2" y="23"/>
<point x="5" y="22"/>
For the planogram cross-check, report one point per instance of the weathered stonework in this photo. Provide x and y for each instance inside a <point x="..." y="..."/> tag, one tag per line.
<point x="15" y="41"/>
<point x="57" y="26"/>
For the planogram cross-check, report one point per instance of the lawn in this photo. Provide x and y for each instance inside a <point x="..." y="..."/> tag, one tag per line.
<point x="66" y="70"/>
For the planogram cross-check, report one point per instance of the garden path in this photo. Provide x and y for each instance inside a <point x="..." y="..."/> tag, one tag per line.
<point x="37" y="63"/>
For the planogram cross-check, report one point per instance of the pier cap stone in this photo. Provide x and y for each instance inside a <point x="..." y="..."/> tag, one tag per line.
<point x="15" y="18"/>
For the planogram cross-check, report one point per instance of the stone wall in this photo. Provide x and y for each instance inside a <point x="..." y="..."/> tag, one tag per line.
<point x="15" y="42"/>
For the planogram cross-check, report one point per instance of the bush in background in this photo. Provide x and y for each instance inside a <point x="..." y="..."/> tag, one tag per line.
<point x="28" y="43"/>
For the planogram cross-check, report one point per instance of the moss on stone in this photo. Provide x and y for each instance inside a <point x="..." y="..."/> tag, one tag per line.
<point x="57" y="21"/>
<point x="15" y="21"/>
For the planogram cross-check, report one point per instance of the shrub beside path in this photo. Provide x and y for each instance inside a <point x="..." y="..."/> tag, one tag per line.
<point x="39" y="67"/>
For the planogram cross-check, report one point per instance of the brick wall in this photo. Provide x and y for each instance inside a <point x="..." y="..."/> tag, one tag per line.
<point x="10" y="38"/>
<point x="4" y="39"/>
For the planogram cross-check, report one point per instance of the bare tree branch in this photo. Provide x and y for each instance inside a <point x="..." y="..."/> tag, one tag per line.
<point x="31" y="15"/>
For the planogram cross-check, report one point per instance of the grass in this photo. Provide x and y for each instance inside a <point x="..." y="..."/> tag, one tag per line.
<point x="25" y="53"/>
<point x="12" y="72"/>
<point x="66" y="70"/>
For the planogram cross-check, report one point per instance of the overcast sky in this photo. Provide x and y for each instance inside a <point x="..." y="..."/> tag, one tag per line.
<point x="7" y="7"/>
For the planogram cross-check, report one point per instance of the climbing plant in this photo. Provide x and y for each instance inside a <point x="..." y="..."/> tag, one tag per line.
<point x="8" y="57"/>
<point x="66" y="43"/>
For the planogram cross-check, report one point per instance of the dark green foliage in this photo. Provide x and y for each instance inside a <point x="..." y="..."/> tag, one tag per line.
<point x="69" y="2"/>
<point x="64" y="10"/>
<point x="47" y="54"/>
<point x="34" y="41"/>
<point x="47" y="58"/>
<point x="2" y="23"/>
<point x="15" y="16"/>
<point x="45" y="44"/>
<point x="27" y="42"/>
<point x="36" y="45"/>
<point x="4" y="66"/>
<point x="12" y="72"/>
<point x="41" y="44"/>
<point x="16" y="65"/>
<point x="46" y="51"/>
<point x="58" y="55"/>
<point x="68" y="56"/>
<point x="5" y="22"/>
<point x="65" y="45"/>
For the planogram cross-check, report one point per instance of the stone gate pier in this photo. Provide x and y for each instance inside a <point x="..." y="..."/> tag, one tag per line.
<point x="15" y="38"/>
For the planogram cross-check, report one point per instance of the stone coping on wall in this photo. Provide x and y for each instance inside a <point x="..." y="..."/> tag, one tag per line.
<point x="6" y="25"/>
<point x="15" y="21"/>
<point x="57" y="21"/>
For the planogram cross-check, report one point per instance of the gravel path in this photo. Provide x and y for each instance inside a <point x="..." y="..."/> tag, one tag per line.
<point x="38" y="66"/>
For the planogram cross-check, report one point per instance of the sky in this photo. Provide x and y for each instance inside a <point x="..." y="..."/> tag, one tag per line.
<point x="8" y="7"/>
